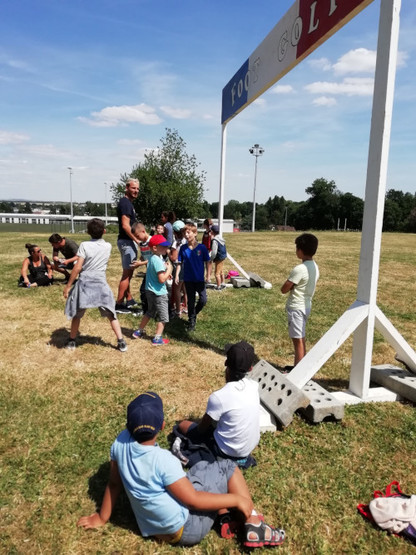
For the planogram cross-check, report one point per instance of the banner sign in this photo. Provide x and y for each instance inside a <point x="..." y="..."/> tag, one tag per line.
<point x="306" y="25"/>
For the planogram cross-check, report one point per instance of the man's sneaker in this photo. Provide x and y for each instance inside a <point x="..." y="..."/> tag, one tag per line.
<point x="159" y="341"/>
<point x="138" y="334"/>
<point x="191" y="325"/>
<point x="121" y="345"/>
<point x="121" y="308"/>
<point x="132" y="304"/>
<point x="71" y="345"/>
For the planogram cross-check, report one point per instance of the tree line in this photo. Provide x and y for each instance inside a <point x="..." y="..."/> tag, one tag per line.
<point x="326" y="208"/>
<point x="171" y="180"/>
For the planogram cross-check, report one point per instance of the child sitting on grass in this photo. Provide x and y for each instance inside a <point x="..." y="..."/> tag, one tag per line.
<point x="168" y="504"/>
<point x="158" y="272"/>
<point x="301" y="285"/>
<point x="230" y="427"/>
<point x="91" y="290"/>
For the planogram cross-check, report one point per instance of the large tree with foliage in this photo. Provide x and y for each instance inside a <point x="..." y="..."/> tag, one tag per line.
<point x="170" y="179"/>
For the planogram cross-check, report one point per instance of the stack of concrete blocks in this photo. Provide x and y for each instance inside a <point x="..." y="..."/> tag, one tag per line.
<point x="253" y="280"/>
<point x="282" y="398"/>
<point x="395" y="379"/>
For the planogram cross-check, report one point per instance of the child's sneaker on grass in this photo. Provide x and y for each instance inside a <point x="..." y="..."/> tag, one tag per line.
<point x="138" y="334"/>
<point x="262" y="534"/>
<point x="159" y="341"/>
<point x="132" y="304"/>
<point x="71" y="345"/>
<point x="121" y="345"/>
<point x="121" y="308"/>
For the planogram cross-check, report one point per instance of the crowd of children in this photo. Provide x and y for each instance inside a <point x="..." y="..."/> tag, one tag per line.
<point x="170" y="505"/>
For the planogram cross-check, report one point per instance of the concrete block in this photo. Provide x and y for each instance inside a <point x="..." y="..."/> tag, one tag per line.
<point x="396" y="379"/>
<point x="240" y="282"/>
<point x="277" y="393"/>
<point x="322" y="404"/>
<point x="267" y="421"/>
<point x="257" y="281"/>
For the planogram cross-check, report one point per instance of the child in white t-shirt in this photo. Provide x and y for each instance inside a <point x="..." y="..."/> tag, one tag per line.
<point x="301" y="285"/>
<point x="235" y="409"/>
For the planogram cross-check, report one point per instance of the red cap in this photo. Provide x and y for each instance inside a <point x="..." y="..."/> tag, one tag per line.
<point x="158" y="240"/>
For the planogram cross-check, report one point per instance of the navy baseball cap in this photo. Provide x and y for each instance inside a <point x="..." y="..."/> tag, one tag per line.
<point x="145" y="416"/>
<point x="240" y="357"/>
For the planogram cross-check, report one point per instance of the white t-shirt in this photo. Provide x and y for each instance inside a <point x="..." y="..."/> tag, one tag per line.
<point x="304" y="276"/>
<point x="236" y="409"/>
<point x="95" y="254"/>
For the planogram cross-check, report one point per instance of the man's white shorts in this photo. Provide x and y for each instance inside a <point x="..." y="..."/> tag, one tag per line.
<point x="296" y="320"/>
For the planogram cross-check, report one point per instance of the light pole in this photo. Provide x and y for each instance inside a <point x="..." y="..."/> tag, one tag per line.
<point x="256" y="151"/>
<point x="70" y="199"/>
<point x="105" y="202"/>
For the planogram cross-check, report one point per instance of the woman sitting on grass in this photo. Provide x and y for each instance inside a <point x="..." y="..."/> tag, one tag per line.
<point x="36" y="268"/>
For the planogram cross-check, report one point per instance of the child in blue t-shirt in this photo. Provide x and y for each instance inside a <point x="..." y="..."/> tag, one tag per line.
<point x="195" y="258"/>
<point x="169" y="505"/>
<point x="158" y="272"/>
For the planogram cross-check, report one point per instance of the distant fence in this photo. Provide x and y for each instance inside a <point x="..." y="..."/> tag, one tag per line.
<point x="55" y="223"/>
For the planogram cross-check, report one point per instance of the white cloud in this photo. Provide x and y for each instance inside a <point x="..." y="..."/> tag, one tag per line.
<point x="350" y="86"/>
<point x="113" y="116"/>
<point x="324" y="101"/>
<point x="176" y="113"/>
<point x="8" y="137"/>
<point x="129" y="142"/>
<point x="322" y="64"/>
<point x="260" y="102"/>
<point x="360" y="60"/>
<point x="282" y="89"/>
<point x="43" y="151"/>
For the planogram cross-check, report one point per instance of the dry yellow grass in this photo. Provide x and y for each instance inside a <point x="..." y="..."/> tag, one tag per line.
<point x="63" y="409"/>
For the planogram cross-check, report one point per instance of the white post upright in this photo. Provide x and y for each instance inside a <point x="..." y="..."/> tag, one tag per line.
<point x="222" y="177"/>
<point x="388" y="38"/>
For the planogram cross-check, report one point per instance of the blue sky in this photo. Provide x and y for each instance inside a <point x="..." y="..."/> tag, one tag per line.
<point x="94" y="84"/>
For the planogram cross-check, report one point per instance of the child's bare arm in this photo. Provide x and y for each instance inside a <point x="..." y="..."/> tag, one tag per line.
<point x="138" y="263"/>
<point x="74" y="274"/>
<point x="178" y="269"/>
<point x="287" y="286"/>
<point x="164" y="276"/>
<point x="186" y="494"/>
<point x="111" y="494"/>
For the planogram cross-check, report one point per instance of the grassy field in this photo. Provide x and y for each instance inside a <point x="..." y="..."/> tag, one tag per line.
<point x="60" y="410"/>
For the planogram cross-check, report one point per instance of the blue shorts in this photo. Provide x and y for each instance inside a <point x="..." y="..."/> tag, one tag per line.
<point x="128" y="251"/>
<point x="211" y="477"/>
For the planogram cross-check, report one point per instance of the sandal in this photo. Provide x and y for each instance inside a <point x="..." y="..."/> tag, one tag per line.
<point x="262" y="535"/>
<point x="226" y="526"/>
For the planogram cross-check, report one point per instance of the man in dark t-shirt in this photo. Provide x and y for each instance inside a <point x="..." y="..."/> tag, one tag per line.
<point x="68" y="248"/>
<point x="127" y="245"/>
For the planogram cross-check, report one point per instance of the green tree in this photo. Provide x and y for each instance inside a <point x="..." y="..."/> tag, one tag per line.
<point x="94" y="209"/>
<point x="351" y="208"/>
<point x="170" y="179"/>
<point x="27" y="209"/>
<point x="6" y="207"/>
<point x="321" y="210"/>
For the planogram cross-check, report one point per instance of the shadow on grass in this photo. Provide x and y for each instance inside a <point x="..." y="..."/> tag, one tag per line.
<point x="60" y="337"/>
<point x="122" y="514"/>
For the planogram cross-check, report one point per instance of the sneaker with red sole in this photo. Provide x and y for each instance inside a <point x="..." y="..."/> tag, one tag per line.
<point x="159" y="341"/>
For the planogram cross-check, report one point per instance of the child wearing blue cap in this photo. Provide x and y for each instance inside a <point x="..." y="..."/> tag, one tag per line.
<point x="170" y="505"/>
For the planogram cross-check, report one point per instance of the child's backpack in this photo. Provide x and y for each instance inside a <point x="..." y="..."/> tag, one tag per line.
<point x="393" y="511"/>
<point x="221" y="252"/>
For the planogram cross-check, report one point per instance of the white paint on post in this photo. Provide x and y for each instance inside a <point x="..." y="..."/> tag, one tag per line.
<point x="388" y="38"/>
<point x="222" y="177"/>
